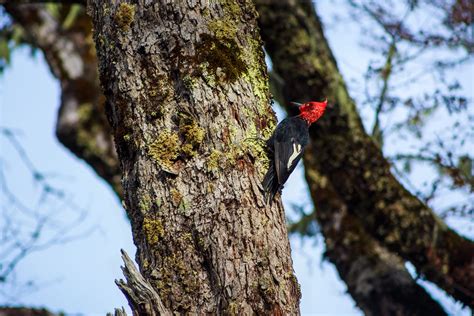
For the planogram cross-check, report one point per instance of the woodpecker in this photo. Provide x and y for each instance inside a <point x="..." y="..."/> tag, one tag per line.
<point x="286" y="146"/>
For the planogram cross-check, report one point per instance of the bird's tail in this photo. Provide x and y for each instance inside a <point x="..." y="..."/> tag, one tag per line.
<point x="270" y="184"/>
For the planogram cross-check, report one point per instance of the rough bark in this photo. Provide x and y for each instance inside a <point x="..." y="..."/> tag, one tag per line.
<point x="343" y="257"/>
<point x="352" y="164"/>
<point x="140" y="294"/>
<point x="376" y="278"/>
<point x="186" y="89"/>
<point x="70" y="52"/>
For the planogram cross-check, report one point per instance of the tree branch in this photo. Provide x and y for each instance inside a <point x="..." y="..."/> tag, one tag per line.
<point x="376" y="278"/>
<point x="141" y="296"/>
<point x="377" y="133"/>
<point x="350" y="160"/>
<point x="296" y="83"/>
<point x="70" y="52"/>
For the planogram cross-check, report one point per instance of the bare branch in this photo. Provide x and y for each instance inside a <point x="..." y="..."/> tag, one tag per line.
<point x="118" y="312"/>
<point x="352" y="163"/>
<point x="81" y="126"/>
<point x="140" y="294"/>
<point x="27" y="229"/>
<point x="385" y="74"/>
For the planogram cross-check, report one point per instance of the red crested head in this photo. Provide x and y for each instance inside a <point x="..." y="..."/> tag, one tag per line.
<point x="312" y="111"/>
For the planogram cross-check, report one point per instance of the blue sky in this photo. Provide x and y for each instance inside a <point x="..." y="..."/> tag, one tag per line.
<point x="77" y="277"/>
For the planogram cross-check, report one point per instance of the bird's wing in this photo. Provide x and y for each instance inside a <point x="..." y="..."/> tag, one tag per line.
<point x="287" y="156"/>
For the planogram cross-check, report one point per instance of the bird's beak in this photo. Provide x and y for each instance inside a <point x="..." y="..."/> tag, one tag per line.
<point x="296" y="104"/>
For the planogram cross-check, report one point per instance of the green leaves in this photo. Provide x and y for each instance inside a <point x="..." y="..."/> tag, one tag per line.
<point x="11" y="36"/>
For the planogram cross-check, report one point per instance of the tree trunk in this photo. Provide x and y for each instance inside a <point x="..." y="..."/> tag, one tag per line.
<point x="345" y="156"/>
<point x="186" y="90"/>
<point x="362" y="262"/>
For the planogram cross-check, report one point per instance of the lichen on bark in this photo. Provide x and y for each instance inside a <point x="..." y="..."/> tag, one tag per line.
<point x="165" y="149"/>
<point x="218" y="236"/>
<point x="124" y="16"/>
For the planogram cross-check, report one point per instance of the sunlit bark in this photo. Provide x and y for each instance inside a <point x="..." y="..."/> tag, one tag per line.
<point x="186" y="89"/>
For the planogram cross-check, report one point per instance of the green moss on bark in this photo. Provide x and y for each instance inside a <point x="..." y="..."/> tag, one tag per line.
<point x="256" y="74"/>
<point x="169" y="146"/>
<point x="176" y="197"/>
<point x="124" y="16"/>
<point x="213" y="161"/>
<point x="165" y="149"/>
<point x="145" y="203"/>
<point x="193" y="136"/>
<point x="153" y="229"/>
<point x="220" y="57"/>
